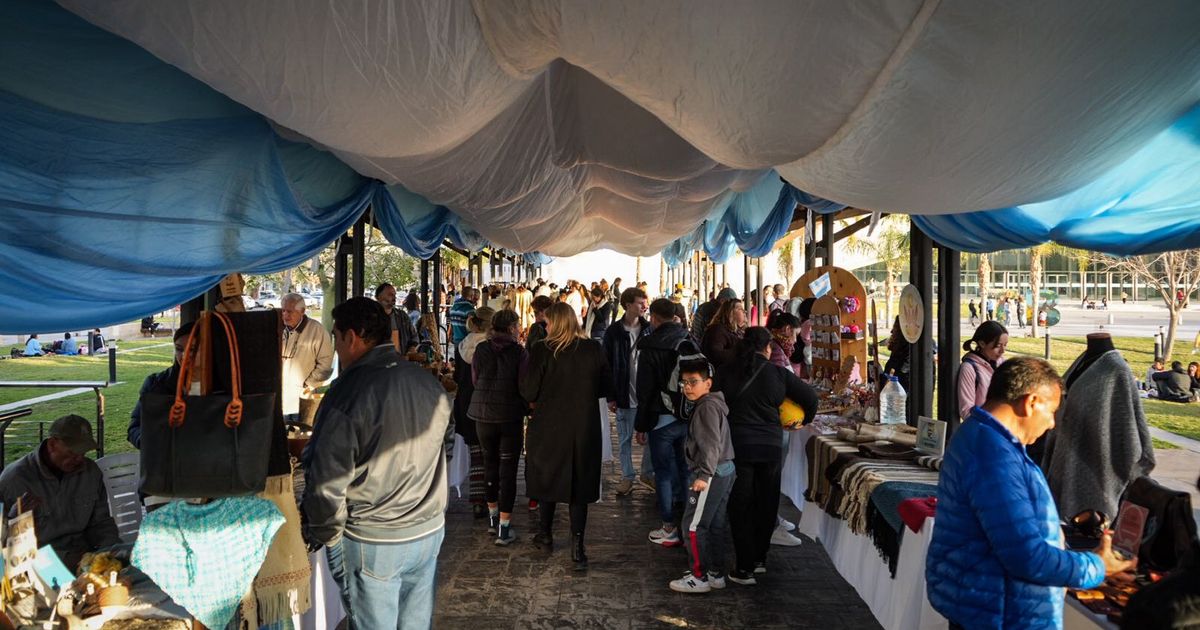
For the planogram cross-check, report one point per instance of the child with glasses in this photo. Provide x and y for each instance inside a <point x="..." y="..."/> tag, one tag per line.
<point x="709" y="453"/>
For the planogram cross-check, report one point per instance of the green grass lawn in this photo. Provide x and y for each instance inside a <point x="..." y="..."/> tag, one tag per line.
<point x="1181" y="419"/>
<point x="151" y="355"/>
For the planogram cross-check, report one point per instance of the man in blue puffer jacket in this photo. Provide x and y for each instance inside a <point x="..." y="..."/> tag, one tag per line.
<point x="997" y="558"/>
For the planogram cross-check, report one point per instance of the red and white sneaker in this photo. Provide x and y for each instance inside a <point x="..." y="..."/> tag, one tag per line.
<point x="666" y="538"/>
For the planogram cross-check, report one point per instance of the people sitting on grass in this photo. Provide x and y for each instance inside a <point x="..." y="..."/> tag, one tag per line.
<point x="1174" y="385"/>
<point x="69" y="346"/>
<point x="1194" y="374"/>
<point x="33" y="347"/>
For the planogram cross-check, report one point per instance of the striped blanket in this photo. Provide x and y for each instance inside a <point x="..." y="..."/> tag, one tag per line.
<point x="821" y="451"/>
<point x="861" y="477"/>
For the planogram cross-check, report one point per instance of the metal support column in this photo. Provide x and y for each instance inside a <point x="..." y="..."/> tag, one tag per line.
<point x="424" y="286"/>
<point x="762" y="298"/>
<point x="746" y="285"/>
<point x="949" y="322"/>
<point x="827" y="238"/>
<point x="810" y="250"/>
<point x="359" y="257"/>
<point x="341" y="270"/>
<point x="437" y="282"/>
<point x="920" y="373"/>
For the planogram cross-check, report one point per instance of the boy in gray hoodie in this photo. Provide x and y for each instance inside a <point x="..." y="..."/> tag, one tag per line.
<point x="709" y="452"/>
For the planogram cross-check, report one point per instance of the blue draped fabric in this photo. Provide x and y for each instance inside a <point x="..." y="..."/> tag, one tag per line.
<point x="105" y="222"/>
<point x="127" y="186"/>
<point x="752" y="221"/>
<point x="1150" y="203"/>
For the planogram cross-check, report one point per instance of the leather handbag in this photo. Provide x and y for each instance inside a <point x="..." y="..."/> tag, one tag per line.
<point x="211" y="445"/>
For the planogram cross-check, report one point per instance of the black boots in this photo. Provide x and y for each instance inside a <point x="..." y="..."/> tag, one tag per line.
<point x="577" y="554"/>
<point x="544" y="540"/>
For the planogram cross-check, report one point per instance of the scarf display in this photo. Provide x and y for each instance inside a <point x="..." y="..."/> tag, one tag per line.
<point x="207" y="556"/>
<point x="283" y="587"/>
<point x="884" y="523"/>
<point x="821" y="451"/>
<point x="857" y="477"/>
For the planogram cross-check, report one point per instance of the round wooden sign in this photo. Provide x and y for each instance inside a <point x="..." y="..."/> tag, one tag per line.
<point x="912" y="313"/>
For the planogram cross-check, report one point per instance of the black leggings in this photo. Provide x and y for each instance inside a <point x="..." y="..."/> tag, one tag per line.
<point x="578" y="517"/>
<point x="753" y="506"/>
<point x="501" y="443"/>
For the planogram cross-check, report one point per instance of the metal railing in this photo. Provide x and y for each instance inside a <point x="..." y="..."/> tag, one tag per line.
<point x="8" y="419"/>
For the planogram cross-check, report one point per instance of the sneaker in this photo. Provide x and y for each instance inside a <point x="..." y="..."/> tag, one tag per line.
<point x="782" y="538"/>
<point x="647" y="481"/>
<point x="493" y="523"/>
<point x="505" y="536"/>
<point x="745" y="578"/>
<point x="690" y="584"/>
<point x="624" y="487"/>
<point x="533" y="505"/>
<point x="667" y="539"/>
<point x="543" y="540"/>
<point x="716" y="581"/>
<point x="787" y="525"/>
<point x="760" y="567"/>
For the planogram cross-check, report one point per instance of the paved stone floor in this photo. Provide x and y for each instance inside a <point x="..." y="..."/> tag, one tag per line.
<point x="484" y="587"/>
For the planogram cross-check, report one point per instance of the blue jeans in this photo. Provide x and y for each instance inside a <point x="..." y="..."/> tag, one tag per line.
<point x="387" y="585"/>
<point x="625" y="418"/>
<point x="670" y="467"/>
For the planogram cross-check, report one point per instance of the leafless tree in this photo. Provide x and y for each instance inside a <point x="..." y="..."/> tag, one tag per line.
<point x="1171" y="273"/>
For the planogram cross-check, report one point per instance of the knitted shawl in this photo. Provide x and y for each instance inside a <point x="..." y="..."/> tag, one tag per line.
<point x="206" y="556"/>
<point x="1101" y="441"/>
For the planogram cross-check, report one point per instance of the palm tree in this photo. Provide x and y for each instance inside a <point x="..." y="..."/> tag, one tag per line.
<point x="1036" y="254"/>
<point x="890" y="248"/>
<point x="786" y="260"/>
<point x="985" y="275"/>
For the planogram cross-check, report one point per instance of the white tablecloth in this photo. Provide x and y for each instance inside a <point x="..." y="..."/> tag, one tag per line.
<point x="898" y="604"/>
<point x="326" y="612"/>
<point x="460" y="464"/>
<point x="794" y="477"/>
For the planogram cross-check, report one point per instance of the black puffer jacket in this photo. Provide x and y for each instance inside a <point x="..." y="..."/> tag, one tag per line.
<point x="754" y="405"/>
<point x="656" y="360"/>
<point x="496" y="369"/>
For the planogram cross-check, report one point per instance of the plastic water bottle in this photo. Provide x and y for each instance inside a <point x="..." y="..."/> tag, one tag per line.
<point x="892" y="402"/>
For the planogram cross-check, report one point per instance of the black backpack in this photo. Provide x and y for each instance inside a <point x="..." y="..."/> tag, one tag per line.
<point x="673" y="397"/>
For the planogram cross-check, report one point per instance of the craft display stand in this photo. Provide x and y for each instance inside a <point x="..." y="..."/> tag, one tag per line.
<point x="842" y="284"/>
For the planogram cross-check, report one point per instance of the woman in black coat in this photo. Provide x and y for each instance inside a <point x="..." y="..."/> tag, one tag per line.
<point x="566" y="377"/>
<point x="754" y="389"/>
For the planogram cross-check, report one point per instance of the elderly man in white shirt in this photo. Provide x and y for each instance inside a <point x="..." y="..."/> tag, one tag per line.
<point x="307" y="357"/>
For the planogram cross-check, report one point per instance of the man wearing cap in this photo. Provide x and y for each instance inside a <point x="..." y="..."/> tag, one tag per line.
<point x="708" y="310"/>
<point x="65" y="491"/>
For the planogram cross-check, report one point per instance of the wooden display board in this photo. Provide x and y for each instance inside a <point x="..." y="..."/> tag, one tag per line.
<point x="826" y="339"/>
<point x="842" y="284"/>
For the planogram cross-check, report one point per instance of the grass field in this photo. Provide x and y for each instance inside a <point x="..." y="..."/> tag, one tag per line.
<point x="135" y="360"/>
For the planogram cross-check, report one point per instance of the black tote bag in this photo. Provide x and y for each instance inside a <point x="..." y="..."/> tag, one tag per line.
<point x="215" y="445"/>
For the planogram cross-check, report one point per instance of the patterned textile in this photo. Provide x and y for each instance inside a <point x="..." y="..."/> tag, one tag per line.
<point x="476" y="485"/>
<point x="821" y="451"/>
<point x="897" y="452"/>
<point x="282" y="587"/>
<point x="206" y="556"/>
<point x="884" y="525"/>
<point x="932" y="462"/>
<point x="860" y="478"/>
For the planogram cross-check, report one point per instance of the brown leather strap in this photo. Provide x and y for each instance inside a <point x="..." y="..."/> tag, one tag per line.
<point x="233" y="411"/>
<point x="179" y="408"/>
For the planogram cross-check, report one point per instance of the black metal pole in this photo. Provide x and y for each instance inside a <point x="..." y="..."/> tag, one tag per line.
<point x="949" y="333"/>
<point x="359" y="254"/>
<point x="112" y="365"/>
<point x="762" y="299"/>
<point x="437" y="282"/>
<point x="341" y="264"/>
<point x="746" y="285"/>
<point x="827" y="238"/>
<point x="920" y="371"/>
<point x="425" y="286"/>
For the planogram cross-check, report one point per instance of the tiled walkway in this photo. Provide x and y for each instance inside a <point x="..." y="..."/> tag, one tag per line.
<point x="484" y="587"/>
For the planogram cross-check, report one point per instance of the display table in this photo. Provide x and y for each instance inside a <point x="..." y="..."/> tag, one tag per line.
<point x="898" y="604"/>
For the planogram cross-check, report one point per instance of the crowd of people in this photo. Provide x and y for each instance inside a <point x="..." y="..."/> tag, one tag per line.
<point x="695" y="384"/>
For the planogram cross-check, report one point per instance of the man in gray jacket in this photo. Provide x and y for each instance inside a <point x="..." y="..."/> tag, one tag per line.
<point x="64" y="490"/>
<point x="375" y="475"/>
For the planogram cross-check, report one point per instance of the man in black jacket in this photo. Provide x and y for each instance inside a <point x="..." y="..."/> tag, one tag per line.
<point x="708" y="310"/>
<point x="657" y="404"/>
<point x="620" y="341"/>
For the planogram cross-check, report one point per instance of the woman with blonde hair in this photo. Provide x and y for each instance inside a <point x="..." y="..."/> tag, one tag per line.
<point x="566" y="377"/>
<point x="723" y="333"/>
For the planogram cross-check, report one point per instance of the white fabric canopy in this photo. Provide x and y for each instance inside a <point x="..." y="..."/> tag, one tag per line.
<point x="562" y="126"/>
